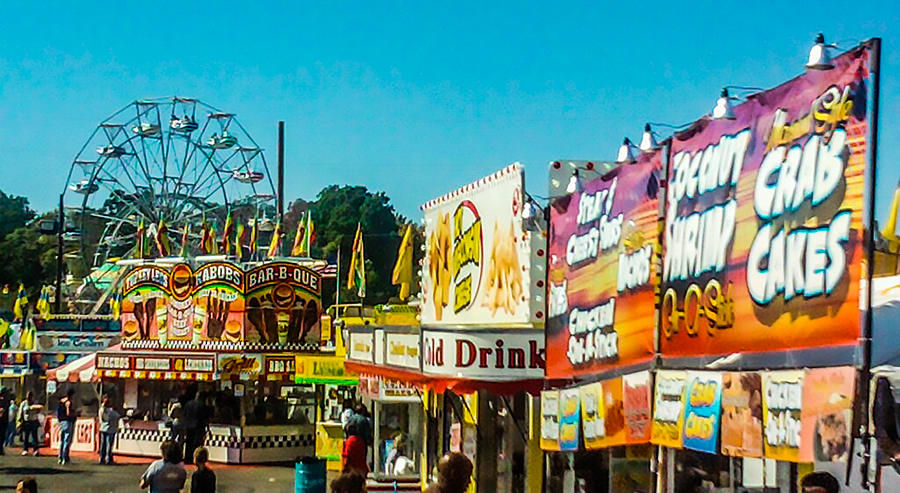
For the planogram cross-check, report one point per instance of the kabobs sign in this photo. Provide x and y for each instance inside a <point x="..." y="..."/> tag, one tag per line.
<point x="763" y="220"/>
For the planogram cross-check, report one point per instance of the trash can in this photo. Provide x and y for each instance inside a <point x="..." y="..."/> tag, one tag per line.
<point x="310" y="475"/>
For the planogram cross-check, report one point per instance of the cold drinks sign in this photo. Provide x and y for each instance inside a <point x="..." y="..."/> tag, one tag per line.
<point x="498" y="355"/>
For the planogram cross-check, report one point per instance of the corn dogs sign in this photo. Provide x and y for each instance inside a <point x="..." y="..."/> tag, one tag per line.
<point x="478" y="263"/>
<point x="602" y="251"/>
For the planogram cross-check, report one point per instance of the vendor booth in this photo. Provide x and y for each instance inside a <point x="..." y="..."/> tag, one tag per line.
<point x="226" y="333"/>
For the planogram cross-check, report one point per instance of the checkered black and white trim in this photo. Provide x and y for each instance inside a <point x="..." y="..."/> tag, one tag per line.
<point x="221" y="346"/>
<point x="226" y="441"/>
<point x="262" y="442"/>
<point x="143" y="435"/>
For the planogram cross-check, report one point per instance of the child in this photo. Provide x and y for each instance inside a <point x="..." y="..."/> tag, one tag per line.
<point x="204" y="479"/>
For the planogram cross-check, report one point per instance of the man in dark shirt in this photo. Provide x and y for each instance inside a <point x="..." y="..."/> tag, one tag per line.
<point x="65" y="413"/>
<point x="5" y="402"/>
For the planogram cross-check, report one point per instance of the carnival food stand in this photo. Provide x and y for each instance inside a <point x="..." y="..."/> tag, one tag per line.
<point x="230" y="332"/>
<point x="716" y="278"/>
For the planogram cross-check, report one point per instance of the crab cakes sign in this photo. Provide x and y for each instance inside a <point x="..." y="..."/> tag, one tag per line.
<point x="763" y="226"/>
<point x="479" y="266"/>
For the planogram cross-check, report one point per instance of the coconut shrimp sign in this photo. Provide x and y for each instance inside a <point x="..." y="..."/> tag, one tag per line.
<point x="478" y="263"/>
<point x="763" y="225"/>
<point x="602" y="251"/>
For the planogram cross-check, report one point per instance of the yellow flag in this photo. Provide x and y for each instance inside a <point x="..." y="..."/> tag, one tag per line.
<point x="357" y="277"/>
<point x="403" y="268"/>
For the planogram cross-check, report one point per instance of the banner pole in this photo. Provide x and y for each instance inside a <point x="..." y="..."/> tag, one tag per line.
<point x="874" y="46"/>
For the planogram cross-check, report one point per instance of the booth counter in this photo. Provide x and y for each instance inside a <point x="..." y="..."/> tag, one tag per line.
<point x="230" y="444"/>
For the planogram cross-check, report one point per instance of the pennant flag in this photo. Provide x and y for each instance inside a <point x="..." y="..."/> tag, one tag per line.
<point x="28" y="336"/>
<point x="226" y="234"/>
<point x="357" y="277"/>
<point x="204" y="238"/>
<point x="6" y="289"/>
<point x="403" y="268"/>
<point x="162" y="239"/>
<point x="310" y="236"/>
<point x="43" y="302"/>
<point x="275" y="245"/>
<point x="254" y="239"/>
<point x="141" y="233"/>
<point x="299" y="237"/>
<point x="184" y="240"/>
<point x="20" y="303"/>
<point x="241" y="241"/>
<point x="212" y="246"/>
<point x="115" y="304"/>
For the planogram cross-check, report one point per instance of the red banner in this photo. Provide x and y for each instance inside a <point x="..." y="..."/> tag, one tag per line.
<point x="763" y="228"/>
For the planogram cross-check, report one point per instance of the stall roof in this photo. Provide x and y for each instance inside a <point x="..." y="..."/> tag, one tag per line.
<point x="82" y="369"/>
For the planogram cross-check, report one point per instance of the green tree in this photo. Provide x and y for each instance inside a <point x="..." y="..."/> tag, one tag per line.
<point x="14" y="213"/>
<point x="336" y="212"/>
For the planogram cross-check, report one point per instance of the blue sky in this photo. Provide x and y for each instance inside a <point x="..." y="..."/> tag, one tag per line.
<point x="412" y="98"/>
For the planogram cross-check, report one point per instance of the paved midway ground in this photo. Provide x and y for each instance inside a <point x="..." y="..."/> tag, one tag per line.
<point x="84" y="475"/>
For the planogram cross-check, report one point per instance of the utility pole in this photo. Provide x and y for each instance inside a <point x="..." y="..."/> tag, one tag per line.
<point x="281" y="174"/>
<point x="60" y="230"/>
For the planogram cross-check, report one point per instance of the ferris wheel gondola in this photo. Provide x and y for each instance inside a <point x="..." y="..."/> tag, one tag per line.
<point x="184" y="125"/>
<point x="248" y="176"/>
<point x="111" y="151"/>
<point x="84" y="187"/>
<point x="145" y="129"/>
<point x="224" y="141"/>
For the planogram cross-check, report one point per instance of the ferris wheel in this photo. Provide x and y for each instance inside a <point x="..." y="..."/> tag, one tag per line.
<point x="173" y="161"/>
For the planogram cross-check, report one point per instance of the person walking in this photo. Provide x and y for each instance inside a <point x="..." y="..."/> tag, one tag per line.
<point x="13" y="427"/>
<point x="353" y="456"/>
<point x="65" y="413"/>
<point x="454" y="474"/>
<point x="28" y="416"/>
<point x="194" y="426"/>
<point x="204" y="479"/>
<point x="5" y="404"/>
<point x="109" y="426"/>
<point x="166" y="475"/>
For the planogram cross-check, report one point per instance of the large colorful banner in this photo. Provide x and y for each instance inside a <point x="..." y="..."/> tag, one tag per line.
<point x="145" y="293"/>
<point x="668" y="408"/>
<point x="782" y="406"/>
<point x="284" y="302"/>
<point x="479" y="256"/>
<point x="602" y="249"/>
<point x="274" y="303"/>
<point x="763" y="228"/>
<point x="827" y="414"/>
<point x="742" y="414"/>
<point x="703" y="404"/>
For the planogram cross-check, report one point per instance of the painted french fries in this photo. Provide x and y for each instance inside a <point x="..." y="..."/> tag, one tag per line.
<point x="503" y="282"/>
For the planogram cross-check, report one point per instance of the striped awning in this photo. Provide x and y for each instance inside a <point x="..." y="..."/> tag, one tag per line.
<point x="82" y="369"/>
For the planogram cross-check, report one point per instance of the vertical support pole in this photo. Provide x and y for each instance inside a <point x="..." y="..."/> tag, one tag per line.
<point x="281" y="175"/>
<point x="866" y="373"/>
<point x="60" y="230"/>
